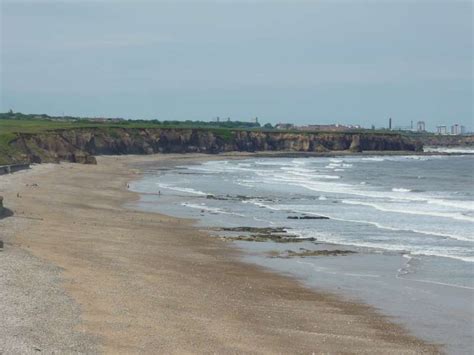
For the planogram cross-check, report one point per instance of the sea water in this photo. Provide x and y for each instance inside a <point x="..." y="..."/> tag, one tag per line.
<point x="410" y="220"/>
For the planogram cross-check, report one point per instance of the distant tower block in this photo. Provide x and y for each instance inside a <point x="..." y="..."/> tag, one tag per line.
<point x="420" y="126"/>
<point x="441" y="130"/>
<point x="390" y="123"/>
<point x="256" y="119"/>
<point x="457" y="129"/>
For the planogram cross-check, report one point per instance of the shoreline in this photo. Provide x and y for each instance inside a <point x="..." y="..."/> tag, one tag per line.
<point x="167" y="286"/>
<point x="378" y="275"/>
<point x="10" y="168"/>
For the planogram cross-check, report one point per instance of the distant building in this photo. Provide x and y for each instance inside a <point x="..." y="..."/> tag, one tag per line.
<point x="420" y="126"/>
<point x="285" y="126"/>
<point x="457" y="129"/>
<point x="329" y="127"/>
<point x="319" y="127"/>
<point x="322" y="127"/>
<point x="390" y="123"/>
<point x="442" y="130"/>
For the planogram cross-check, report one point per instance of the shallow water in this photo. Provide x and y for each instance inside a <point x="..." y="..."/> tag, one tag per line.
<point x="410" y="218"/>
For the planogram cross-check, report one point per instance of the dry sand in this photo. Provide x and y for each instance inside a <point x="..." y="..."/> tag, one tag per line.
<point x="82" y="273"/>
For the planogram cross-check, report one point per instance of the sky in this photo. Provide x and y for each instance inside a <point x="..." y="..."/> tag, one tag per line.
<point x="303" y="62"/>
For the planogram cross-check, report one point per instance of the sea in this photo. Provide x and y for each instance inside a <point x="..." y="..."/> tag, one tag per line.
<point x="409" y="219"/>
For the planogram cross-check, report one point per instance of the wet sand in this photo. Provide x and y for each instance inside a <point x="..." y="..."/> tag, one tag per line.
<point x="116" y="280"/>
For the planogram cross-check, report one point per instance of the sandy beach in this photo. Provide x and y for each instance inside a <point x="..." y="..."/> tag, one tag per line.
<point x="80" y="272"/>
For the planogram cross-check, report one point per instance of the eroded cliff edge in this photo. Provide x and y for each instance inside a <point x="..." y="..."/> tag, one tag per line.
<point x="82" y="144"/>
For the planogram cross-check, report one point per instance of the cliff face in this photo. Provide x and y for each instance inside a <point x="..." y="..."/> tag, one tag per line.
<point x="449" y="141"/>
<point x="80" y="145"/>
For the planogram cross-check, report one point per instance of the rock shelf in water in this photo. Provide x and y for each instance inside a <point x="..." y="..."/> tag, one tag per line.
<point x="307" y="217"/>
<point x="256" y="234"/>
<point x="307" y="253"/>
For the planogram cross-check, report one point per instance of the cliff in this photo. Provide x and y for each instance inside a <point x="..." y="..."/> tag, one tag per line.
<point x="448" y="141"/>
<point x="82" y="144"/>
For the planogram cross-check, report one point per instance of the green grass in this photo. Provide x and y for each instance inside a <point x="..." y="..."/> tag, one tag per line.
<point x="5" y="149"/>
<point x="225" y="134"/>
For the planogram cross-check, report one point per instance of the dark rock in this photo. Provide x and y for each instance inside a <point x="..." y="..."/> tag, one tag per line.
<point x="307" y="217"/>
<point x="255" y="234"/>
<point x="288" y="238"/>
<point x="307" y="253"/>
<point x="213" y="197"/>
<point x="264" y="230"/>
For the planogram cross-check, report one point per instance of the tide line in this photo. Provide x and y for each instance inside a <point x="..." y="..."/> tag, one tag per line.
<point x="434" y="282"/>
<point x="319" y="269"/>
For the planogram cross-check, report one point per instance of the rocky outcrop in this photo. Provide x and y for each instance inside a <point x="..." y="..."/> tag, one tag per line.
<point x="81" y="145"/>
<point x="4" y="212"/>
<point x="265" y="234"/>
<point x="303" y="253"/>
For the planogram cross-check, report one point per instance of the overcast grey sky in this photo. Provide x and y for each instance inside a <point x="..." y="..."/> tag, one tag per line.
<point x="303" y="62"/>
